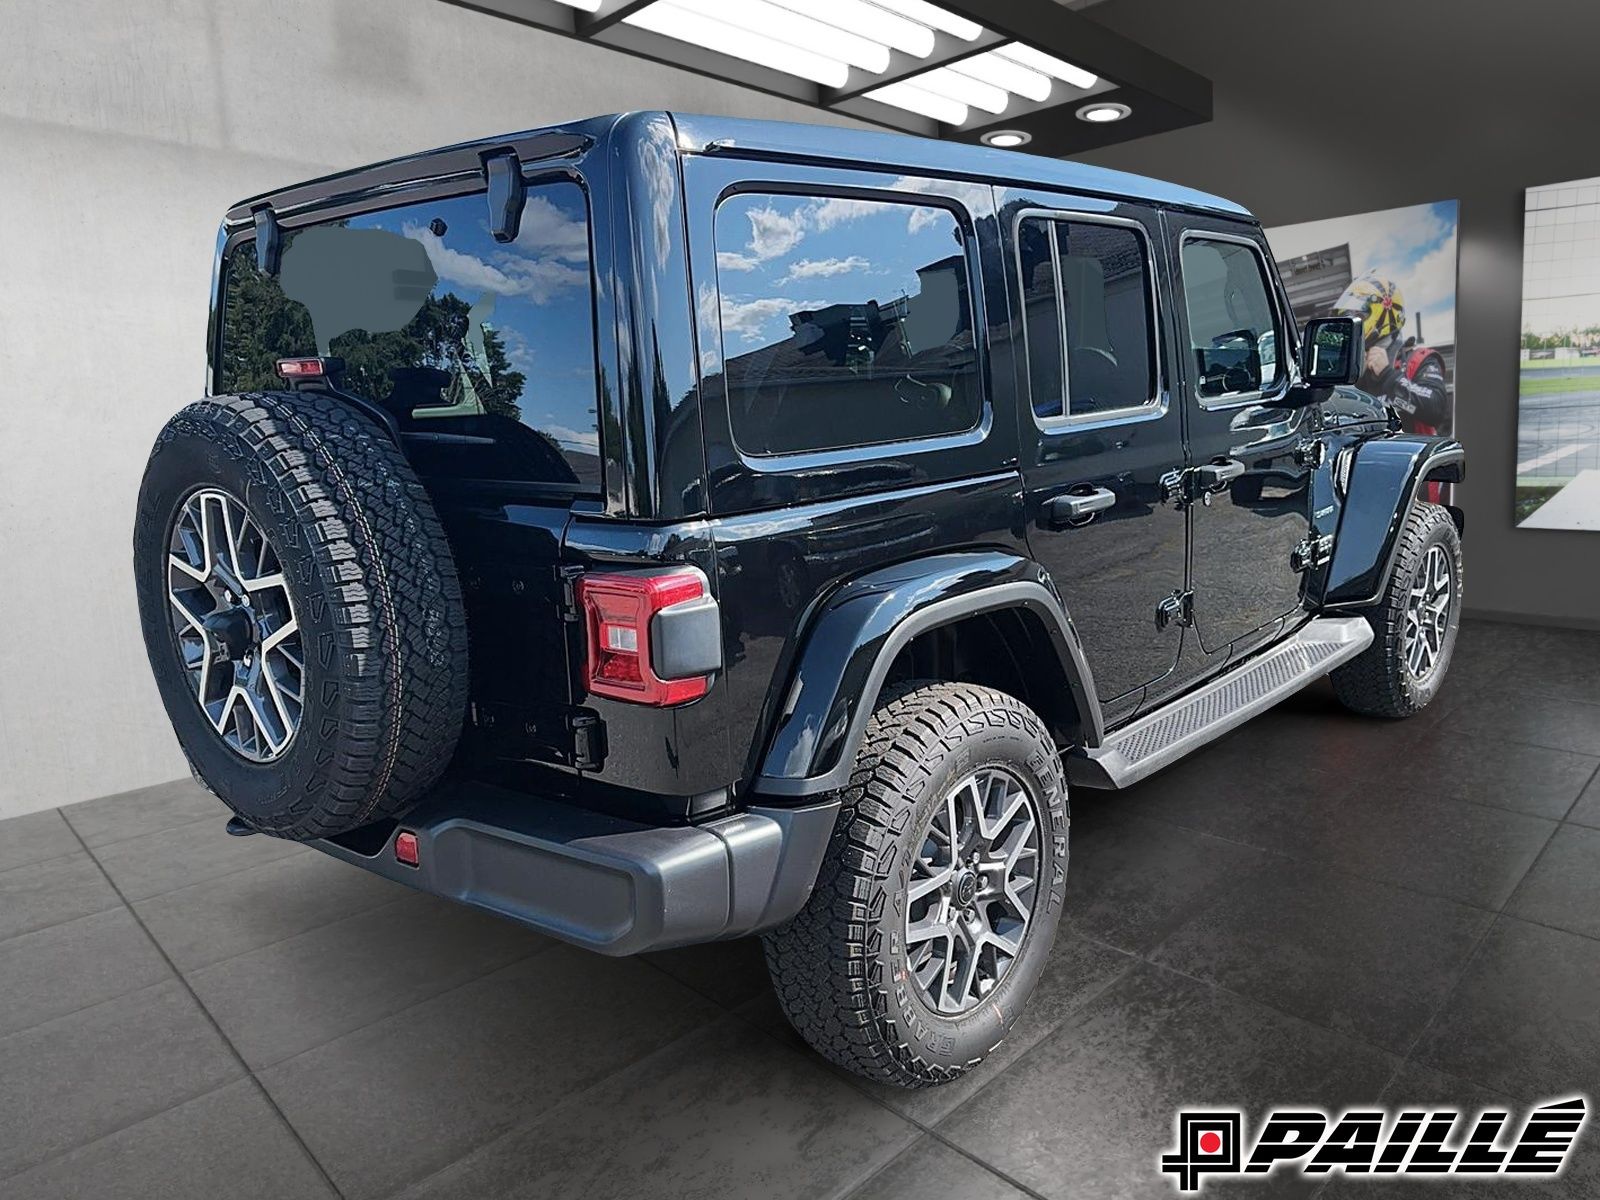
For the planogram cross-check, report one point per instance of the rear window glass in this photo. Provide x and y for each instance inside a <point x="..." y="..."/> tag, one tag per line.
<point x="483" y="351"/>
<point x="845" y="322"/>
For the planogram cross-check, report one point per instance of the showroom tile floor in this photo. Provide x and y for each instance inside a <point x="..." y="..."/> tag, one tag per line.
<point x="1318" y="909"/>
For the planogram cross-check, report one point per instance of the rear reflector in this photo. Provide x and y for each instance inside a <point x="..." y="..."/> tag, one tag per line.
<point x="405" y="848"/>
<point x="618" y="612"/>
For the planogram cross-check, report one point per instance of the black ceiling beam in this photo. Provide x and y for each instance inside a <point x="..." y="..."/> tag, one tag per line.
<point x="608" y="14"/>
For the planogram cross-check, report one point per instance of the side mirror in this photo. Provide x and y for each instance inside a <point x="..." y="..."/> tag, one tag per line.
<point x="1330" y="351"/>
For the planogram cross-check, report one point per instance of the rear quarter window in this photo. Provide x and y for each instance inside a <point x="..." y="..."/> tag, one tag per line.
<point x="484" y="352"/>
<point x="845" y="322"/>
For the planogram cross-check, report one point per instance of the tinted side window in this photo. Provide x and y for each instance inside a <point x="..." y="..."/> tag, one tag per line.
<point x="1232" y="327"/>
<point x="845" y="322"/>
<point x="1090" y="328"/>
<point x="484" y="352"/>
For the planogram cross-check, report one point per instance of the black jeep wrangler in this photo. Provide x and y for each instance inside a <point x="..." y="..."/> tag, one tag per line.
<point x="658" y="529"/>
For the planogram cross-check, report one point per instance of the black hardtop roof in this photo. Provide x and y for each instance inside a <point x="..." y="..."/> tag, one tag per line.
<point x="760" y="139"/>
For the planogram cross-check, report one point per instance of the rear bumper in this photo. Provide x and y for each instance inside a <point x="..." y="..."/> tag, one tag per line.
<point x="602" y="882"/>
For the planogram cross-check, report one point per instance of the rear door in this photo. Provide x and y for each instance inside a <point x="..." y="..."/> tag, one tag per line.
<point x="1101" y="439"/>
<point x="1250" y="495"/>
<point x="481" y="354"/>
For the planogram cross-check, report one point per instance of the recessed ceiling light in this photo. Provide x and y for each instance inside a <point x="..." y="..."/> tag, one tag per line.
<point x="1007" y="139"/>
<point x="1100" y="114"/>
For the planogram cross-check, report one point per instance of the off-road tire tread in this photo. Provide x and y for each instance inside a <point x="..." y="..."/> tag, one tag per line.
<point x="385" y="563"/>
<point x="818" y="960"/>
<point x="1375" y="682"/>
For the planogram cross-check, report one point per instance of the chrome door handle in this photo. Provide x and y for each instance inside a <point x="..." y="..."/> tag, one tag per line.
<point x="1063" y="511"/>
<point x="1214" y="475"/>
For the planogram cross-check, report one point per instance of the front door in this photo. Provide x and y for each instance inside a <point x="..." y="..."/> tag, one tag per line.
<point x="1248" y="437"/>
<point x="1100" y="437"/>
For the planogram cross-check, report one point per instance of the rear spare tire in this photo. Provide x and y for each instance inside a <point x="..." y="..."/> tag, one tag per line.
<point x="301" y="611"/>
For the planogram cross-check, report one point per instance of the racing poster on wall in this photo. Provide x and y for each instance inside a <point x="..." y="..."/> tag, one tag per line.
<point x="1396" y="270"/>
<point x="1558" y="421"/>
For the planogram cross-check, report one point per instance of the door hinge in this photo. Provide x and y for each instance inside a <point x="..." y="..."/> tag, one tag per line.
<point x="1311" y="553"/>
<point x="1311" y="453"/>
<point x="1177" y="608"/>
<point x="588" y="739"/>
<point x="568" y="578"/>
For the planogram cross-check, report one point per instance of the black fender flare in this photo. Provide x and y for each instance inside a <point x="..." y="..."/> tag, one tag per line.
<point x="856" y="634"/>
<point x="1384" y="480"/>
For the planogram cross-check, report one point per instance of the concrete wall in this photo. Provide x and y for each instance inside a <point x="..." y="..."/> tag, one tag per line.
<point x="1327" y="110"/>
<point x="126" y="129"/>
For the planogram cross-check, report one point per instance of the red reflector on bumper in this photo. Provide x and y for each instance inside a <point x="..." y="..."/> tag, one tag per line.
<point x="405" y="848"/>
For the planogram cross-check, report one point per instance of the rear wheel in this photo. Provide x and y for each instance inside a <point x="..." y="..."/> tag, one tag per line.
<point x="1414" y="625"/>
<point x="938" y="900"/>
<point x="301" y="611"/>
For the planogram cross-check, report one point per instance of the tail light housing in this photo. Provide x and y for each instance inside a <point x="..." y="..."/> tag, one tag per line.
<point x="654" y="637"/>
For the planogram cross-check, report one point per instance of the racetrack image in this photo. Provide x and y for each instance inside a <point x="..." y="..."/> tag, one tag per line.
<point x="1558" y="429"/>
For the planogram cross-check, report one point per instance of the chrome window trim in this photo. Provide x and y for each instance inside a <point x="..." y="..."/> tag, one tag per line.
<point x="1280" y="327"/>
<point x="1151" y="409"/>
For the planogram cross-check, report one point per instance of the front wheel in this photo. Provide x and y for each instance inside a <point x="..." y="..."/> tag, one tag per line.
<point x="1414" y="624"/>
<point x="938" y="899"/>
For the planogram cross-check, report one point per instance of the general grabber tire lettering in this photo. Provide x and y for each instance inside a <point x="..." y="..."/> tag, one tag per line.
<point x="298" y="512"/>
<point x="1387" y="679"/>
<point x="843" y="967"/>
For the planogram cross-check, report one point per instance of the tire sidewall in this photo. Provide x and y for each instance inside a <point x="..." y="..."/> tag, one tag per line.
<point x="201" y="449"/>
<point x="1001" y="736"/>
<point x="1418" y="693"/>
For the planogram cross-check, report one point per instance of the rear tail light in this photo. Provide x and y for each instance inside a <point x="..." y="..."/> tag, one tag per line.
<point x="406" y="850"/>
<point x="300" y="368"/>
<point x="653" y="637"/>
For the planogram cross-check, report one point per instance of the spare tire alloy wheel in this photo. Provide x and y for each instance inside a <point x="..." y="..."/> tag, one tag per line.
<point x="972" y="890"/>
<point x="234" y="624"/>
<point x="301" y="610"/>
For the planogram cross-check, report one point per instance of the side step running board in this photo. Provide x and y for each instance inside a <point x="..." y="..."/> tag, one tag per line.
<point x="1163" y="736"/>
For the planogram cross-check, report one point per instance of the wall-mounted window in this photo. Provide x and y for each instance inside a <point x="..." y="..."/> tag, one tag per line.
<point x="1233" y="326"/>
<point x="484" y="352"/>
<point x="845" y="322"/>
<point x="1090" y="322"/>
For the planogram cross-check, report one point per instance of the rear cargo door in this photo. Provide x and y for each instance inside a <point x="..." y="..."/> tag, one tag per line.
<point x="480" y="355"/>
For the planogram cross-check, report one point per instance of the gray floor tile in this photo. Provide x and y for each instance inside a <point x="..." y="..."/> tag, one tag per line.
<point x="48" y="893"/>
<point x="1563" y="889"/>
<point x="1089" y="1111"/>
<point x="228" y="1143"/>
<point x="1466" y="852"/>
<point x="731" y="973"/>
<point x="1459" y="766"/>
<point x="726" y="1112"/>
<point x="931" y="1169"/>
<point x="83" y="1076"/>
<point x="290" y="996"/>
<point x="396" y="1101"/>
<point x="184" y="855"/>
<point x="1496" y="714"/>
<point x="34" y="838"/>
<point x="1524" y="1018"/>
<point x="1130" y="881"/>
<point x="1364" y="958"/>
<point x="208" y="922"/>
<point x="59" y="970"/>
<point x="1233" y="796"/>
<point x="1587" y="810"/>
<point x="145" y="810"/>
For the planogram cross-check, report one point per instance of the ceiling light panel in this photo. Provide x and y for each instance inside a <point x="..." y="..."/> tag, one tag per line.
<point x="868" y="21"/>
<point x="1001" y="72"/>
<point x="1047" y="64"/>
<point x="794" y="29"/>
<point x="933" y="17"/>
<point x="697" y="29"/>
<point x="963" y="89"/>
<point x="923" y="103"/>
<point x="586" y="5"/>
